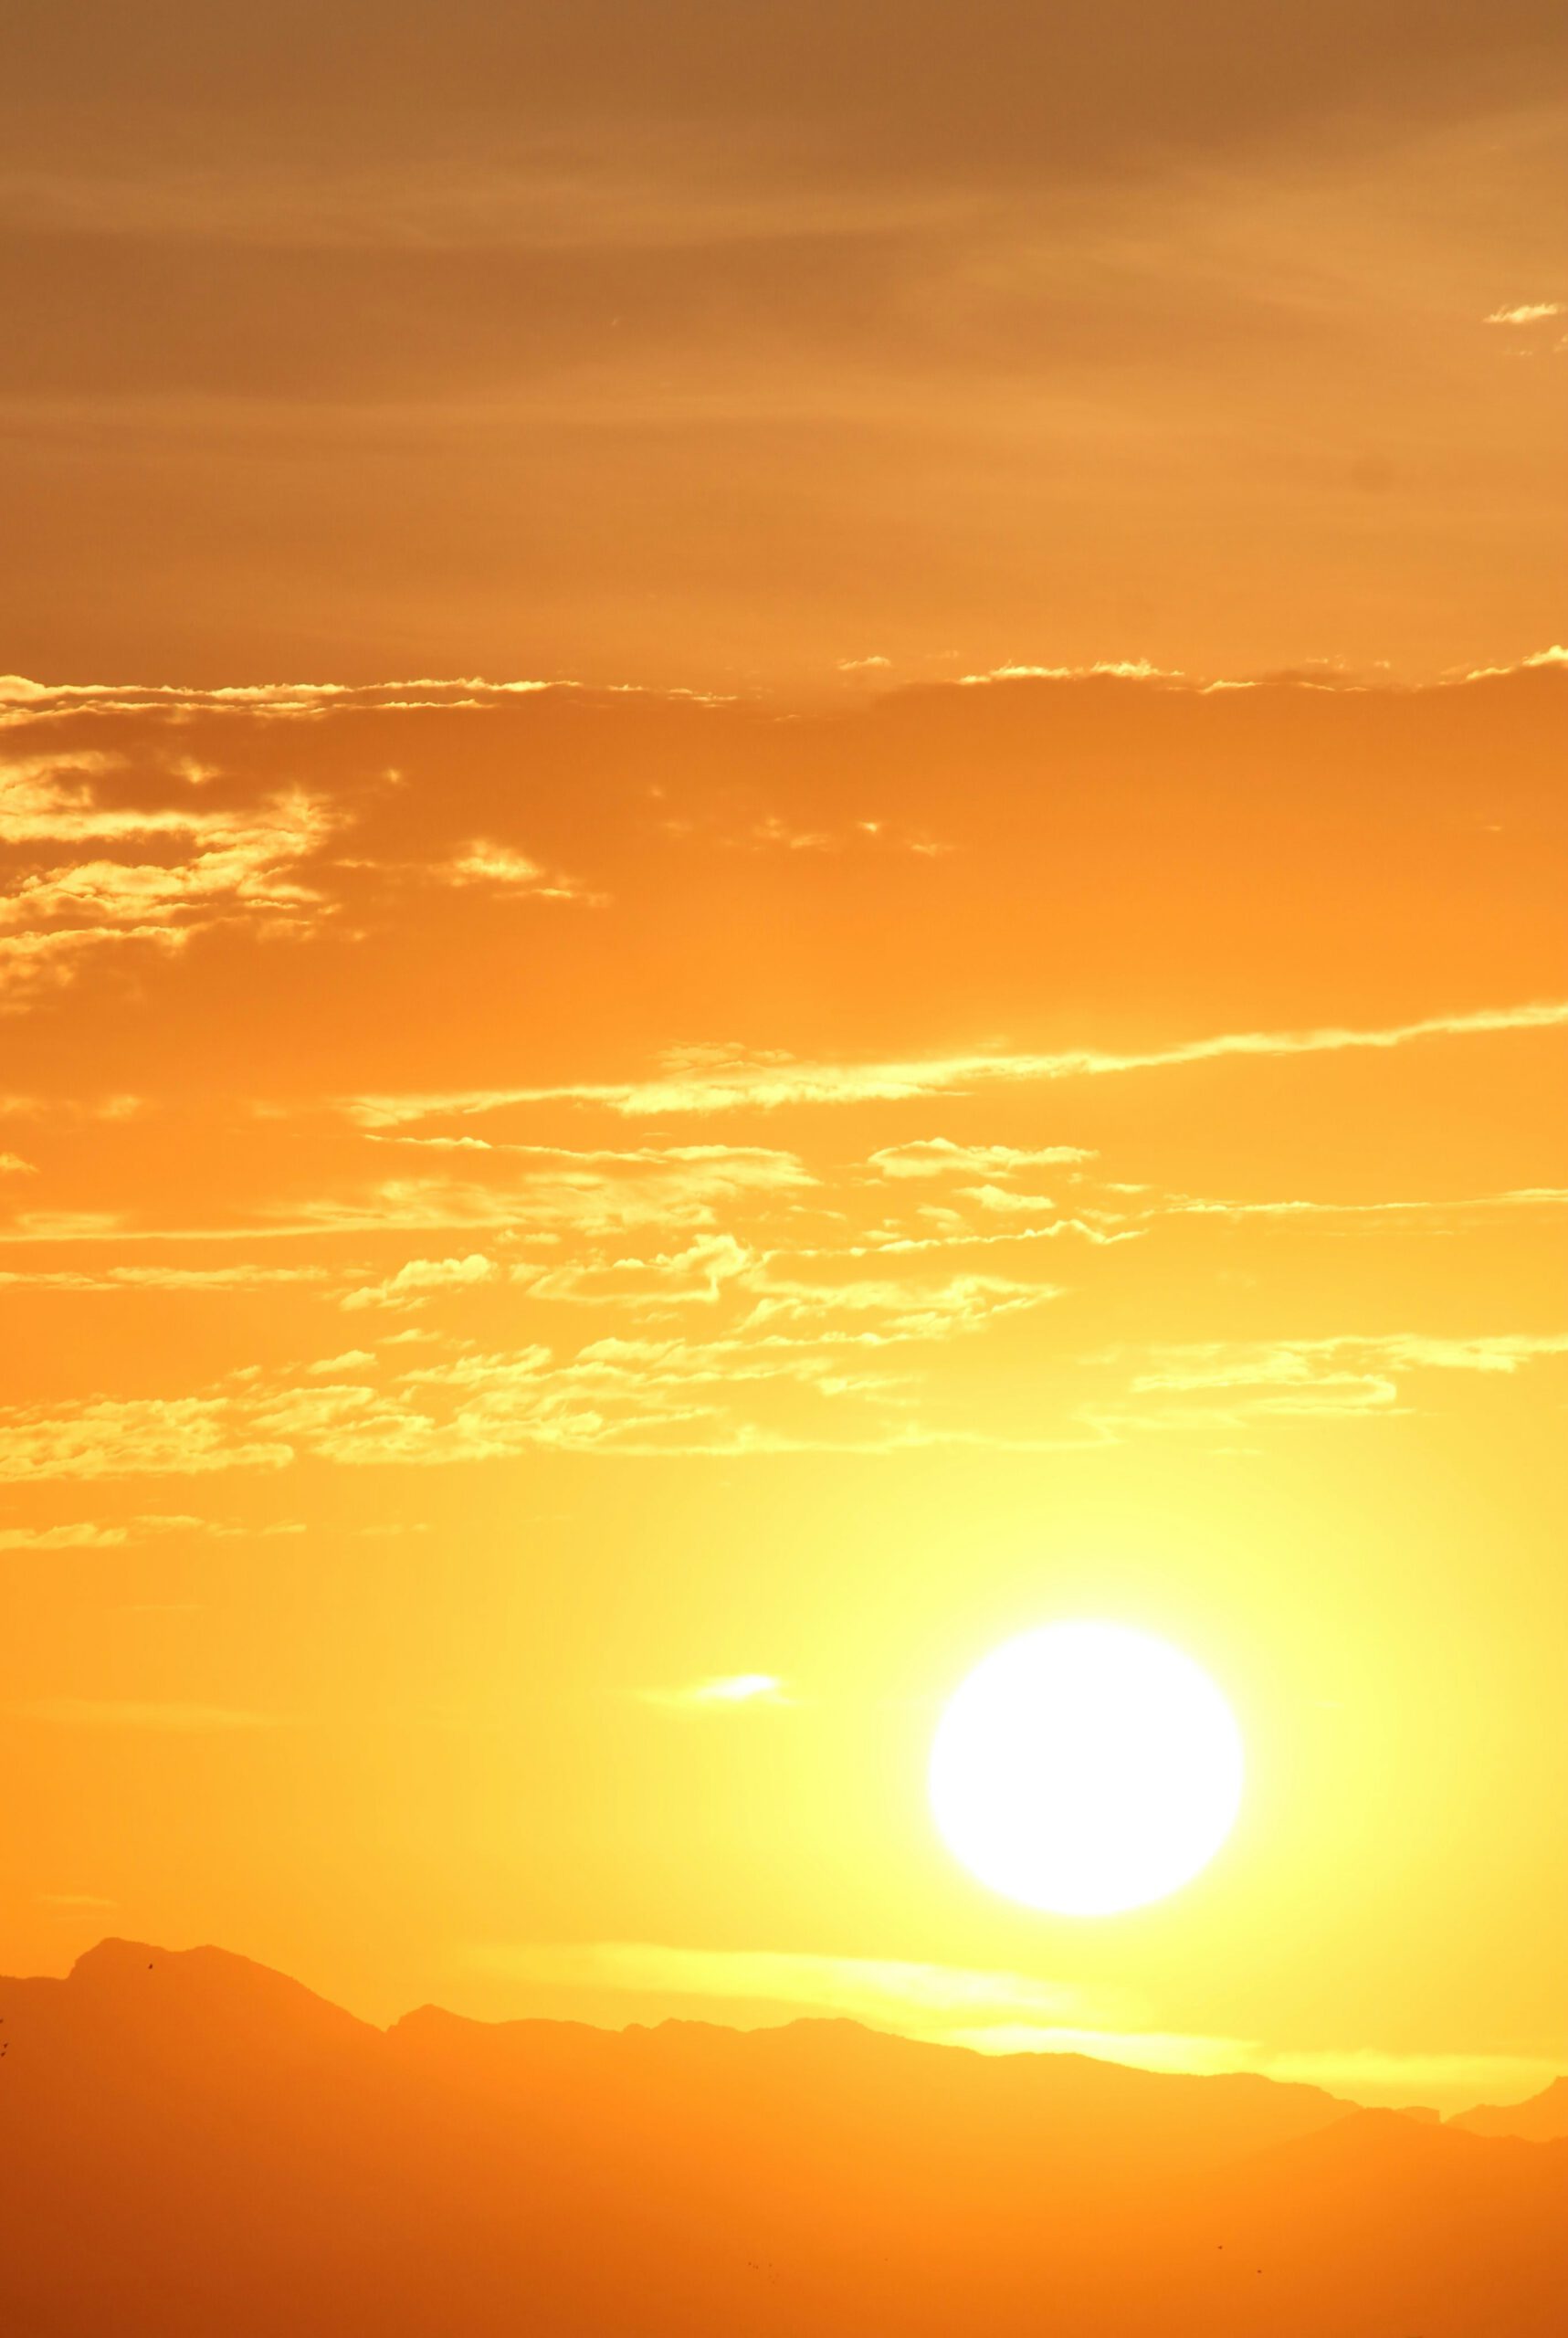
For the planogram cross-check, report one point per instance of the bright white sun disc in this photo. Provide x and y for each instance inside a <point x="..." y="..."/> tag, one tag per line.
<point x="1085" y="1768"/>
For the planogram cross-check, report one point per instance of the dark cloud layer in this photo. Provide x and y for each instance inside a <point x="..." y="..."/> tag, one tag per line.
<point x="717" y="345"/>
<point x="918" y="87"/>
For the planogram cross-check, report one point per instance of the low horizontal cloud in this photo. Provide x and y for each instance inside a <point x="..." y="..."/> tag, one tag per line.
<point x="1372" y="2073"/>
<point x="82" y="1535"/>
<point x="885" y="1993"/>
<point x="88" y="1534"/>
<point x="938" y="1156"/>
<point x="1344" y="1375"/>
<point x="725" y="1693"/>
<point x="23" y="700"/>
<point x="246" y="1276"/>
<point x="995" y="2013"/>
<point x="698" y="1080"/>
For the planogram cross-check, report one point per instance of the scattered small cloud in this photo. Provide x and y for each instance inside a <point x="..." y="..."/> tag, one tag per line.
<point x="716" y="1695"/>
<point x="938" y="1156"/>
<point x="1529" y="313"/>
<point x="1126" y="669"/>
<point x="420" y="1280"/>
<point x="84" y="1535"/>
<point x="702" y="1080"/>
<point x="500" y="868"/>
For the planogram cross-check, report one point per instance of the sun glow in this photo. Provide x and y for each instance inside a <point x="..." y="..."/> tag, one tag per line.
<point x="1085" y="1768"/>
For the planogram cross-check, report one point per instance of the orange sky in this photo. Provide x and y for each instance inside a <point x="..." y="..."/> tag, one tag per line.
<point x="691" y="340"/>
<point x="800" y="1128"/>
<point x="521" y="1205"/>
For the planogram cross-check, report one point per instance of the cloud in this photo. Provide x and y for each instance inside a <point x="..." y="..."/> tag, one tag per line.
<point x="226" y="865"/>
<point x="1123" y="669"/>
<point x="581" y="1193"/>
<point x="104" y="1437"/>
<point x="82" y="1536"/>
<point x="1529" y="313"/>
<point x="1361" y="2071"/>
<point x="25" y="702"/>
<point x="938" y="1156"/>
<point x="420" y="1280"/>
<point x="884" y="1992"/>
<point x="499" y="869"/>
<point x="89" y="1535"/>
<point x="884" y="1310"/>
<point x="720" y="1695"/>
<point x="197" y="1279"/>
<point x="992" y="2013"/>
<point x="700" y="1080"/>
<point x="1451" y="1208"/>
<point x="34" y="964"/>
<point x="1346" y="1374"/>
<point x="1003" y="1203"/>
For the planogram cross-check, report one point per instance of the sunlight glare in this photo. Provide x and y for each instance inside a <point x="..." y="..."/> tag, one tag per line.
<point x="1085" y="1768"/>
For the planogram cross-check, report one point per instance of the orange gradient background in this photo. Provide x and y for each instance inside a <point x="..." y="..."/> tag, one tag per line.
<point x="903" y="974"/>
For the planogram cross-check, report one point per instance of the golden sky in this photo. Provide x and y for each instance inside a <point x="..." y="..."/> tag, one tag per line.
<point x="522" y="1204"/>
<point x="968" y="1029"/>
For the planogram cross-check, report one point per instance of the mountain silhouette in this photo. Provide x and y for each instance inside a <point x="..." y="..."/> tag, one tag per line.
<point x="1543" y="2118"/>
<point x="191" y="2143"/>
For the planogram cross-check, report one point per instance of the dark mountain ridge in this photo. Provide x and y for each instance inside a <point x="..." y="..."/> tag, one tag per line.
<point x="190" y="2141"/>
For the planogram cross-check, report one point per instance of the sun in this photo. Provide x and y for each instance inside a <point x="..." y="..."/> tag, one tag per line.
<point x="1085" y="1768"/>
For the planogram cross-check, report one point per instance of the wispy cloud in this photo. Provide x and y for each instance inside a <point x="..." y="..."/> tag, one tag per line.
<point x="940" y="1156"/>
<point x="217" y="865"/>
<point x="500" y="868"/>
<point x="106" y="1437"/>
<point x="1528" y="312"/>
<point x="886" y="1992"/>
<point x="700" y="1080"/>
<point x="421" y="1279"/>
<point x="992" y="2013"/>
<point x="88" y="1534"/>
<point x="725" y="1693"/>
<point x="82" y="1535"/>
<point x="1347" y="1375"/>
<point x="1372" y="2073"/>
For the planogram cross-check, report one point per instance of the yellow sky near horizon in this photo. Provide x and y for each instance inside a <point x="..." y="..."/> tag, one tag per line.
<point x="521" y="1205"/>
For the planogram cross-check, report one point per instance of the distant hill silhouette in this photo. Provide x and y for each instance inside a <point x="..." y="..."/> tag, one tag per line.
<point x="191" y="2144"/>
<point x="1542" y="2120"/>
